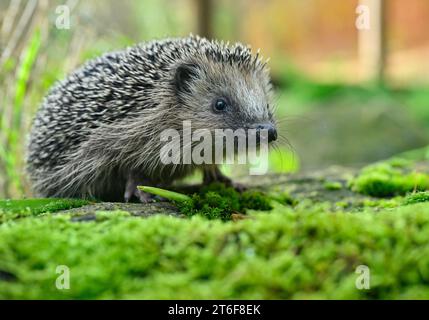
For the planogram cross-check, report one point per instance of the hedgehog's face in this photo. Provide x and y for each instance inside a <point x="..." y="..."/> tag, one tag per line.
<point x="221" y="96"/>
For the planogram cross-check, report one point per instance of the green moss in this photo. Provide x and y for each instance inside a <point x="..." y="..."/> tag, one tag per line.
<point x="11" y="209"/>
<point x="254" y="200"/>
<point x="388" y="180"/>
<point x="290" y="253"/>
<point x="381" y="203"/>
<point x="284" y="198"/>
<point x="333" y="185"/>
<point x="217" y="201"/>
<point x="416" y="198"/>
<point x="342" y="204"/>
<point x="106" y="215"/>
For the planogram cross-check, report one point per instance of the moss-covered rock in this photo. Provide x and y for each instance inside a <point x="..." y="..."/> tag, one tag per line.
<point x="287" y="253"/>
<point x="309" y="243"/>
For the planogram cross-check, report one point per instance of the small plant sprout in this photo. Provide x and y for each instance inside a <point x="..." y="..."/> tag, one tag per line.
<point x="167" y="194"/>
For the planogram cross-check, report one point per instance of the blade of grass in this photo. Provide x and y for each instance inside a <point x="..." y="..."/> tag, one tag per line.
<point x="23" y="75"/>
<point x="167" y="194"/>
<point x="12" y="155"/>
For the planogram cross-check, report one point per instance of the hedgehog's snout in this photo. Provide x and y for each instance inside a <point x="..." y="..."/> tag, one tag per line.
<point x="271" y="129"/>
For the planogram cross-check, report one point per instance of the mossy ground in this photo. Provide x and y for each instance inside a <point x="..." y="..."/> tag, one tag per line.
<point x="308" y="245"/>
<point x="21" y="208"/>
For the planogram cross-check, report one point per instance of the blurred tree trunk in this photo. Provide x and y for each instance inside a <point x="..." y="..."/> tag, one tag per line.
<point x="205" y="18"/>
<point x="372" y="41"/>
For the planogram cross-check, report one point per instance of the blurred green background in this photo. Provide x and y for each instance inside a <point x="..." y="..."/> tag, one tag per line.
<point x="338" y="103"/>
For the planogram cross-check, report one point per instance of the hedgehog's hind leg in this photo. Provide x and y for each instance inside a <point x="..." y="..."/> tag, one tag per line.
<point x="131" y="190"/>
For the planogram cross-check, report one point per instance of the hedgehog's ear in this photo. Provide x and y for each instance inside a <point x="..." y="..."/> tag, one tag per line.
<point x="185" y="73"/>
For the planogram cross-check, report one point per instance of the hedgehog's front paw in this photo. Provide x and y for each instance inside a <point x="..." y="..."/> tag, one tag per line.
<point x="213" y="174"/>
<point x="132" y="191"/>
<point x="230" y="183"/>
<point x="238" y="186"/>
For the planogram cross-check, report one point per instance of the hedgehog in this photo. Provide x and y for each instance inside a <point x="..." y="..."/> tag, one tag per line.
<point x="96" y="133"/>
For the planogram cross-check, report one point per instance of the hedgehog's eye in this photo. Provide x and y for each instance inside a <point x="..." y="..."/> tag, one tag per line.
<point x="220" y="105"/>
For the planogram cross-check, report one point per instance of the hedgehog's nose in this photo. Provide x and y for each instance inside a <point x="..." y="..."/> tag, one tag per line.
<point x="272" y="132"/>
